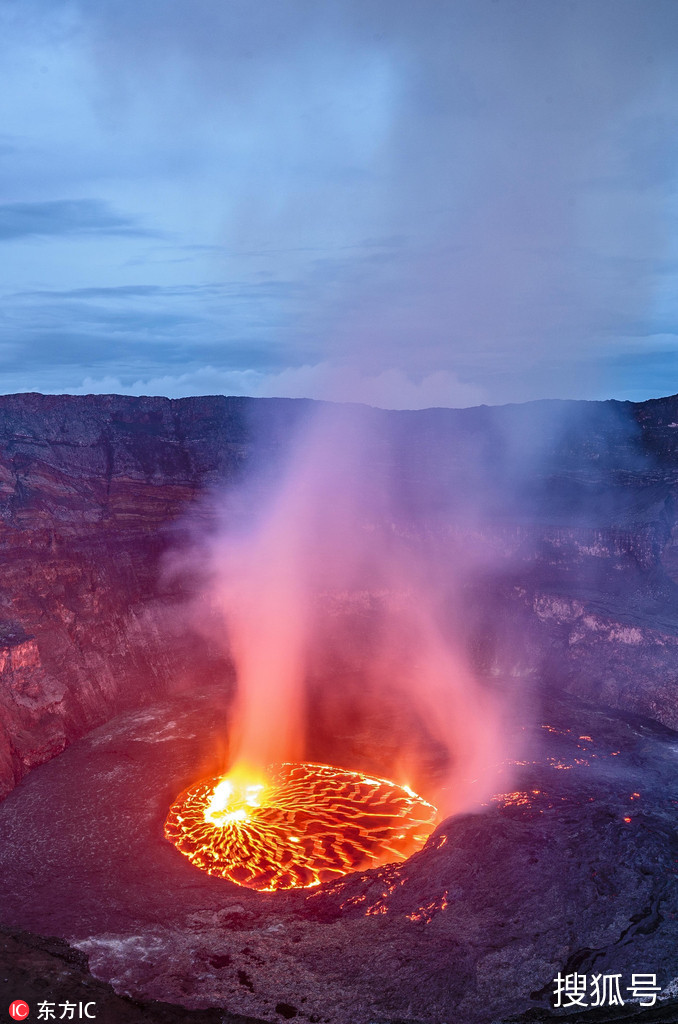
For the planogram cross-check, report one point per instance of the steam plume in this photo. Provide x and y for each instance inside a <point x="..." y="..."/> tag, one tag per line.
<point x="330" y="536"/>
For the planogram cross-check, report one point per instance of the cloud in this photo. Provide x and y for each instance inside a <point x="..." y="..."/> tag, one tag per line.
<point x="123" y="291"/>
<point x="134" y="329"/>
<point x="479" y="195"/>
<point x="390" y="389"/>
<point x="61" y="218"/>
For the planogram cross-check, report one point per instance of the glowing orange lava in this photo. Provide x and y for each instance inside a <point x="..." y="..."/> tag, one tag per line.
<point x="300" y="825"/>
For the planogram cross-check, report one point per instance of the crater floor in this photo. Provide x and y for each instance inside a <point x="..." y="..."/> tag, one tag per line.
<point x="572" y="867"/>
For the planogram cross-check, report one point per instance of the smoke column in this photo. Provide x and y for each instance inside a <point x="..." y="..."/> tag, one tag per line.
<point x="328" y="534"/>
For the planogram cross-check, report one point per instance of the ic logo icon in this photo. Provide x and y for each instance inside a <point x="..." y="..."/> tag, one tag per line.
<point x="19" y="1010"/>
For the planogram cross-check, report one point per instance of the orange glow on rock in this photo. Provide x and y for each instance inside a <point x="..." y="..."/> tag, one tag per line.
<point x="296" y="826"/>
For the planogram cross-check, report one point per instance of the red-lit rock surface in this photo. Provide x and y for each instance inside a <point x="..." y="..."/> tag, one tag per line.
<point x="87" y="487"/>
<point x="577" y="589"/>
<point x="573" y="866"/>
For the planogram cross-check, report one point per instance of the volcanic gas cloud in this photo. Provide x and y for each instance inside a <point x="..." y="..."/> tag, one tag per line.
<point x="320" y="568"/>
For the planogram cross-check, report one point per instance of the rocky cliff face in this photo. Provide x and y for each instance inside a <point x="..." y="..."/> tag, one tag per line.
<point x="88" y="488"/>
<point x="573" y="505"/>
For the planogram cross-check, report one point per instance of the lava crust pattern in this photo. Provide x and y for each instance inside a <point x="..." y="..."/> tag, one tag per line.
<point x="307" y="824"/>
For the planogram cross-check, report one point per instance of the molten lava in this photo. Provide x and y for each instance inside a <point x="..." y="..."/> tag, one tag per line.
<point x="301" y="825"/>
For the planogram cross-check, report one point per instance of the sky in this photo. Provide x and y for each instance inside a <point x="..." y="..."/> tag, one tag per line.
<point x="409" y="204"/>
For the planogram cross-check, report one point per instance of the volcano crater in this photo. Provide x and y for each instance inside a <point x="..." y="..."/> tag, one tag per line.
<point x="573" y="865"/>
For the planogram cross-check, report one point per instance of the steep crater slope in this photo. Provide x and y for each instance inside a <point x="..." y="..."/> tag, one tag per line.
<point x="570" y="508"/>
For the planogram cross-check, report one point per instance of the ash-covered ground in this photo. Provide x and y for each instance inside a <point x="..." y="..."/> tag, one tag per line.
<point x="572" y="867"/>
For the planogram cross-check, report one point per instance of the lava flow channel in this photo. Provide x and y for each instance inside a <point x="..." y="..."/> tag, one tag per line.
<point x="306" y="824"/>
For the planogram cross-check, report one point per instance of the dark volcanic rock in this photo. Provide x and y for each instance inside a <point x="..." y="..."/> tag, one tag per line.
<point x="569" y="509"/>
<point x="89" y="488"/>
<point x="574" y="869"/>
<point x="49" y="971"/>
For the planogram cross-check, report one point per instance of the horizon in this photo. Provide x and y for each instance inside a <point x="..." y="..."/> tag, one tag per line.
<point x="330" y="401"/>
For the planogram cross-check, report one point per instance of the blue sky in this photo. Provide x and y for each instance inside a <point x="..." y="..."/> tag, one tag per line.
<point x="410" y="204"/>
